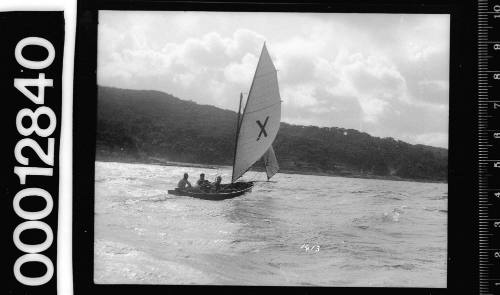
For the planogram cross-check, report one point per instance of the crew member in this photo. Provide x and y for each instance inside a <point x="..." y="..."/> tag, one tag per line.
<point x="184" y="182"/>
<point x="217" y="184"/>
<point x="202" y="183"/>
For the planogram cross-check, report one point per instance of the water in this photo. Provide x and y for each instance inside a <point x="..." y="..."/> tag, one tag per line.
<point x="300" y="230"/>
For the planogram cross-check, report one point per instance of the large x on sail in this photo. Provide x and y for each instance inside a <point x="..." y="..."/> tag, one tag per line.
<point x="260" y="120"/>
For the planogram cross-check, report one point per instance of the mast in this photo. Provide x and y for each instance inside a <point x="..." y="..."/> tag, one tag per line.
<point x="260" y="116"/>
<point x="237" y="132"/>
<point x="239" y="110"/>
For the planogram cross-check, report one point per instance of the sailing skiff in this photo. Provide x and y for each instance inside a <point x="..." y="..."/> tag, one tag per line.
<point x="256" y="129"/>
<point x="230" y="191"/>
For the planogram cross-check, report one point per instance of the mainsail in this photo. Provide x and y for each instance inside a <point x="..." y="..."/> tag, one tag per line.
<point x="260" y="119"/>
<point x="271" y="163"/>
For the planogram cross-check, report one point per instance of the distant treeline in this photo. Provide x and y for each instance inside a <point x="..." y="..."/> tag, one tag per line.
<point x="148" y="126"/>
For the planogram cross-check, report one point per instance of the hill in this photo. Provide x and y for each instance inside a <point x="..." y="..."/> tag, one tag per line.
<point x="147" y="126"/>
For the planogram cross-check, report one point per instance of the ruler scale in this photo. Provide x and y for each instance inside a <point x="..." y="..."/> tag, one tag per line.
<point x="488" y="110"/>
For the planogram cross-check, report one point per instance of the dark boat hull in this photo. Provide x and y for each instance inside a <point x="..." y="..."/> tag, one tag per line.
<point x="229" y="191"/>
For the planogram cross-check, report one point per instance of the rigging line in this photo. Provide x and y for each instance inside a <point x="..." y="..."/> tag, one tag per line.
<point x="270" y="106"/>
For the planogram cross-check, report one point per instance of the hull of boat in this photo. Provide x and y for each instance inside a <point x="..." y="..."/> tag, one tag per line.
<point x="230" y="191"/>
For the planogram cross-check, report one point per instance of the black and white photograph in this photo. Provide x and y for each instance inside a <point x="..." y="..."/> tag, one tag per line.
<point x="272" y="149"/>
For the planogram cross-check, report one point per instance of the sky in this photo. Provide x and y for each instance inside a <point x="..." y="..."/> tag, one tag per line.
<point x="384" y="74"/>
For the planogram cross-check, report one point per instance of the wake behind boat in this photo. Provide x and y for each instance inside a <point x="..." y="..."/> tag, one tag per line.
<point x="256" y="129"/>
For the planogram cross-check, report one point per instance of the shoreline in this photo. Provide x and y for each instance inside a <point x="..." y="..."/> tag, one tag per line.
<point x="161" y="162"/>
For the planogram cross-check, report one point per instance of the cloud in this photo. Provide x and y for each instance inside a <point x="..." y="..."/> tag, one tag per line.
<point x="241" y="72"/>
<point x="200" y="69"/>
<point x="384" y="74"/>
<point x="301" y="96"/>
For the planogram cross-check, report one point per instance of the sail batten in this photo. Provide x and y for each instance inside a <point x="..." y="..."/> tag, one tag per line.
<point x="260" y="119"/>
<point x="267" y="107"/>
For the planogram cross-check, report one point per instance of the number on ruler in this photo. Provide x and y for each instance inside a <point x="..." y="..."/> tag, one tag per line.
<point x="496" y="105"/>
<point x="496" y="224"/>
<point x="497" y="194"/>
<point x="496" y="9"/>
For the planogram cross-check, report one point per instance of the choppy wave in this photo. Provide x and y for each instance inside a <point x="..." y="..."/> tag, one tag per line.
<point x="299" y="230"/>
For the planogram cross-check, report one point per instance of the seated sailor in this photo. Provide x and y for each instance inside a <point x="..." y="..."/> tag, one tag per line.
<point x="202" y="181"/>
<point x="202" y="184"/>
<point x="217" y="183"/>
<point x="184" y="182"/>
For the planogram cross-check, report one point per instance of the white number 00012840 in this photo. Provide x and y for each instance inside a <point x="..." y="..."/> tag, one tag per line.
<point x="33" y="218"/>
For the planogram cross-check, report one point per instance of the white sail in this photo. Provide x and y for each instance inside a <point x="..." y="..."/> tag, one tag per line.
<point x="271" y="163"/>
<point x="261" y="117"/>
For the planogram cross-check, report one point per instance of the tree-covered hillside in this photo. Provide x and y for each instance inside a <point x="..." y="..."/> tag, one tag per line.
<point x="139" y="125"/>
